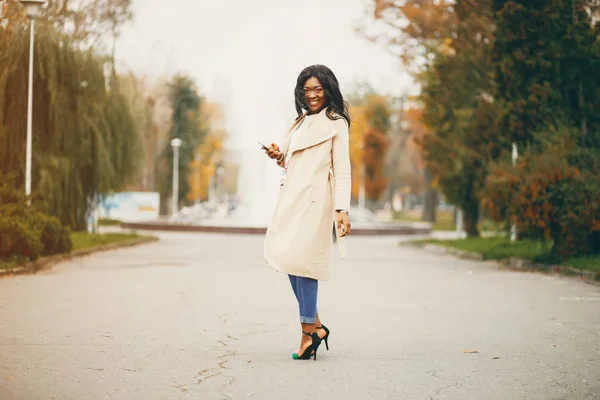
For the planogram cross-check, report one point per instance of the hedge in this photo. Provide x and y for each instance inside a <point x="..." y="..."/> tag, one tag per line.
<point x="27" y="230"/>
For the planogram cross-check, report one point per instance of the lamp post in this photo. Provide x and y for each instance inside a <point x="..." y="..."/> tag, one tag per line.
<point x="176" y="144"/>
<point x="459" y="221"/>
<point x="212" y="188"/>
<point x="513" y="228"/>
<point x="198" y="171"/>
<point x="362" y="179"/>
<point x="32" y="8"/>
<point x="219" y="183"/>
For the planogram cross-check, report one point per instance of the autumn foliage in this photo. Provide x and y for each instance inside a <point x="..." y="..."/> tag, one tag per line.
<point x="497" y="72"/>
<point x="369" y="144"/>
<point x="412" y="28"/>
<point x="208" y="154"/>
<point x="550" y="196"/>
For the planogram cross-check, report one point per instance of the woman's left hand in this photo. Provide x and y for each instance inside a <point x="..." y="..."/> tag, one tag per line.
<point x="343" y="224"/>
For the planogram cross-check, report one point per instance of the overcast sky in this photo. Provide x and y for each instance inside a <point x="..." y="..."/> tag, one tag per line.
<point x="247" y="54"/>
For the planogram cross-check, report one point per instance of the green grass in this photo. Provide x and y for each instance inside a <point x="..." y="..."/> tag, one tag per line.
<point x="445" y="220"/>
<point x="108" y="222"/>
<point x="589" y="263"/>
<point x="83" y="240"/>
<point x="497" y="248"/>
<point x="11" y="263"/>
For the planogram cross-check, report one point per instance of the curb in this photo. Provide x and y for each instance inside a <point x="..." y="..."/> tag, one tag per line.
<point x="45" y="263"/>
<point x="176" y="227"/>
<point x="513" y="263"/>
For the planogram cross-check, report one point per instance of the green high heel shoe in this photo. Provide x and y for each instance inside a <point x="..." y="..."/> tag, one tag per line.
<point x="311" y="351"/>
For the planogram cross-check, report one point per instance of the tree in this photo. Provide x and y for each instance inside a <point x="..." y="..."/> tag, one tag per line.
<point x="85" y="142"/>
<point x="412" y="166"/>
<point x="185" y="124"/>
<point x="412" y="29"/>
<point x="460" y="111"/>
<point x="446" y="46"/>
<point x="542" y="67"/>
<point x="369" y="144"/>
<point x="404" y="164"/>
<point x="416" y="31"/>
<point x="137" y="93"/>
<point x="544" y="55"/>
<point x="209" y="153"/>
<point x="87" y="23"/>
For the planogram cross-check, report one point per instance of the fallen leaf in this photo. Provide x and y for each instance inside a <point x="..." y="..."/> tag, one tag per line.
<point x="8" y="378"/>
<point x="249" y="361"/>
<point x="496" y="358"/>
<point x="470" y="351"/>
<point x="554" y="345"/>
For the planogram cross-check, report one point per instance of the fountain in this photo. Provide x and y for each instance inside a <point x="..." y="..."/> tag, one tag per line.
<point x="258" y="186"/>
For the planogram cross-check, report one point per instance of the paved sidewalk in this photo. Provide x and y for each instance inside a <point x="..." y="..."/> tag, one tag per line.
<point x="203" y="317"/>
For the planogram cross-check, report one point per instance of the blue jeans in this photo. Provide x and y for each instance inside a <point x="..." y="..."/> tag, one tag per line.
<point x="306" y="290"/>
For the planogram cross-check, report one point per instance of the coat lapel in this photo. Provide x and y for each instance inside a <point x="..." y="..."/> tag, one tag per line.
<point x="288" y="137"/>
<point x="319" y="131"/>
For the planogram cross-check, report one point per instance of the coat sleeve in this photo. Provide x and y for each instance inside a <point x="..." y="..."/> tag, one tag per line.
<point x="341" y="165"/>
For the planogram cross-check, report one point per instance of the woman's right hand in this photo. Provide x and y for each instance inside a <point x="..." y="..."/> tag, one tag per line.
<point x="273" y="152"/>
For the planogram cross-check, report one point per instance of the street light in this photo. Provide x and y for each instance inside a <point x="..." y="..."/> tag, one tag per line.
<point x="198" y="171"/>
<point x="32" y="8"/>
<point x="176" y="144"/>
<point x="513" y="228"/>
<point x="219" y="182"/>
<point x="212" y="186"/>
<point x="362" y="180"/>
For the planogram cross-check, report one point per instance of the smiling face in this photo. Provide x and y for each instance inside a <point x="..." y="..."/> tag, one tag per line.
<point x="314" y="95"/>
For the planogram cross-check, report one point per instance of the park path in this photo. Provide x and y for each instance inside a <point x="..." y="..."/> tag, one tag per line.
<point x="201" y="316"/>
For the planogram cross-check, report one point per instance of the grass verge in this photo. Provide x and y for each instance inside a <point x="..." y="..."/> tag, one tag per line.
<point x="497" y="248"/>
<point x="445" y="220"/>
<point x="81" y="240"/>
<point x="108" y="222"/>
<point x="84" y="240"/>
<point x="11" y="263"/>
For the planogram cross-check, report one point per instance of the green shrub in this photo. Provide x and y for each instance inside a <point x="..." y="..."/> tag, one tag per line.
<point x="27" y="231"/>
<point x="18" y="239"/>
<point x="550" y="195"/>
<point x="55" y="237"/>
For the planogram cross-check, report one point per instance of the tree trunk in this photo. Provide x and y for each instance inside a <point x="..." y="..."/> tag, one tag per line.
<point x="580" y="98"/>
<point x="391" y="191"/>
<point x="470" y="220"/>
<point x="430" y="200"/>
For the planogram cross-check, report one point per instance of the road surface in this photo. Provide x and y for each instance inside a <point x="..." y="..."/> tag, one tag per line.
<point x="201" y="316"/>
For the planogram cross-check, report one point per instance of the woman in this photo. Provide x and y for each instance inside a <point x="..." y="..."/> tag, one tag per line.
<point x="315" y="187"/>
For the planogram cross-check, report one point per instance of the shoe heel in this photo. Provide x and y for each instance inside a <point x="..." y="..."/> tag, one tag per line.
<point x="327" y="343"/>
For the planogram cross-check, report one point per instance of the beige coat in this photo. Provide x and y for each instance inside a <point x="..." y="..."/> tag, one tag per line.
<point x="298" y="240"/>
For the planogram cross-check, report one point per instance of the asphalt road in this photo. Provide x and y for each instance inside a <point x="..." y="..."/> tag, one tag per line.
<point x="198" y="316"/>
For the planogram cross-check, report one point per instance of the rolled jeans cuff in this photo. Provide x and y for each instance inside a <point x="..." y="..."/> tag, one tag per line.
<point x="308" y="320"/>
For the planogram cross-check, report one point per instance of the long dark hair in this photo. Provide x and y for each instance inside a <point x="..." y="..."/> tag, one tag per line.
<point x="334" y="101"/>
